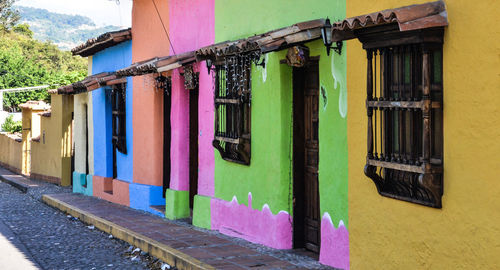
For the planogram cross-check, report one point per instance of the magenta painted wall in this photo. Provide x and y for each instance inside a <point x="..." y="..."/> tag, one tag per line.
<point x="191" y="27"/>
<point x="206" y="131"/>
<point x="258" y="226"/>
<point x="179" y="117"/>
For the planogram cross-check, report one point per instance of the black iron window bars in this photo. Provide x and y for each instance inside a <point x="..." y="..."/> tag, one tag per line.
<point x="233" y="107"/>
<point x="405" y="115"/>
<point x="118" y="120"/>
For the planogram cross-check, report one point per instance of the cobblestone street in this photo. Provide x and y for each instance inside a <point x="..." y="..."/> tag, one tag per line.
<point x="50" y="239"/>
<point x="56" y="241"/>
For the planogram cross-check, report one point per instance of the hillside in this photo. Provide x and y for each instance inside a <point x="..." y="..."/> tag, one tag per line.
<point x="66" y="31"/>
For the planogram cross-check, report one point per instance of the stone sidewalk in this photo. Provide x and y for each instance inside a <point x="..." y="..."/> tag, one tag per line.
<point x="18" y="181"/>
<point x="177" y="243"/>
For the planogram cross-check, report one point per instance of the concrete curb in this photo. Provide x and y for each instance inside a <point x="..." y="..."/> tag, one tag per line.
<point x="163" y="252"/>
<point x="22" y="187"/>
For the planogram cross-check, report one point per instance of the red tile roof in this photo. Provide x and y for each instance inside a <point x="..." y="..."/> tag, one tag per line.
<point x="432" y="14"/>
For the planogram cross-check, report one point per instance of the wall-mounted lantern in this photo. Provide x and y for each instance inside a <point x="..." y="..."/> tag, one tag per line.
<point x="209" y="65"/>
<point x="326" y="34"/>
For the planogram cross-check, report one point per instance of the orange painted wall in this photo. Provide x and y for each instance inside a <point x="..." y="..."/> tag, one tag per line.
<point x="112" y="190"/>
<point x="148" y="103"/>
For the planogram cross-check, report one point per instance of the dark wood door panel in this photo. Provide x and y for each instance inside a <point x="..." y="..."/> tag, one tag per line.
<point x="306" y="156"/>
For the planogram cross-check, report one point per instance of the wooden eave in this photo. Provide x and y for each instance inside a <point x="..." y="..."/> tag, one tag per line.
<point x="158" y="64"/>
<point x="106" y="40"/>
<point x="267" y="42"/>
<point x="91" y="83"/>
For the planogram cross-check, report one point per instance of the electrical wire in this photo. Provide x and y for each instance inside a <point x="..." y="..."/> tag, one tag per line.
<point x="165" y="29"/>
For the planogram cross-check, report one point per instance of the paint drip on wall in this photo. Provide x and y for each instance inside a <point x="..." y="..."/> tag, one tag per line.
<point x="339" y="80"/>
<point x="264" y="69"/>
<point x="334" y="243"/>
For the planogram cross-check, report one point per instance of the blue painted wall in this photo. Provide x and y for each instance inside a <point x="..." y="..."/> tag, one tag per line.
<point x="108" y="60"/>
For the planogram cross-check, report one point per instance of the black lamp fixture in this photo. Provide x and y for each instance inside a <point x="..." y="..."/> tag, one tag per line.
<point x="209" y="65"/>
<point x="326" y="34"/>
<point x="262" y="63"/>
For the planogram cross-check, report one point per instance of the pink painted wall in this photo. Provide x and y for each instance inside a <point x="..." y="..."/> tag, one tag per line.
<point x="179" y="117"/>
<point x="206" y="133"/>
<point x="257" y="226"/>
<point x="334" y="244"/>
<point x="191" y="26"/>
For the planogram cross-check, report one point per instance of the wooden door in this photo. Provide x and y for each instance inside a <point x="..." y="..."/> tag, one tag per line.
<point x="306" y="156"/>
<point x="167" y="104"/>
<point x="193" y="145"/>
<point x="87" y="161"/>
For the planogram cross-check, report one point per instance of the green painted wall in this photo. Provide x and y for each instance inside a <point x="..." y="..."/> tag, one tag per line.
<point x="177" y="204"/>
<point x="269" y="170"/>
<point x="332" y="133"/>
<point x="202" y="209"/>
<point x="236" y="19"/>
<point x="268" y="177"/>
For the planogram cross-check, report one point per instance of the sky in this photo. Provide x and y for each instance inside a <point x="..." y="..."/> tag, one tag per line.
<point x="102" y="12"/>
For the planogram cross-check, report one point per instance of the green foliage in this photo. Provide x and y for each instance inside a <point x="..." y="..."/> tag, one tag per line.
<point x="26" y="62"/>
<point x="12" y="100"/>
<point x="23" y="29"/>
<point x="8" y="16"/>
<point x="11" y="126"/>
<point x="67" y="31"/>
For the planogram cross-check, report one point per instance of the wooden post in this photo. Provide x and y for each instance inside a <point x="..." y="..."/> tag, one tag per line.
<point x="369" y="92"/>
<point x="426" y="145"/>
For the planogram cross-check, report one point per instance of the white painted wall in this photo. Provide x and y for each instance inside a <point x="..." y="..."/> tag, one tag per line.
<point x="80" y="101"/>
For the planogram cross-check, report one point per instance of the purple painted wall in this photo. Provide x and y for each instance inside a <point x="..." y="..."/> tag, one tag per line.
<point x="192" y="27"/>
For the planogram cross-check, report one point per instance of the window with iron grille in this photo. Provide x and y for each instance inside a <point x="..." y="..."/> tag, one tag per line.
<point x="118" y="118"/>
<point x="233" y="107"/>
<point x="405" y="114"/>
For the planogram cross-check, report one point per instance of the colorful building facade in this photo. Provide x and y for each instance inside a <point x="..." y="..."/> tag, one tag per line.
<point x="298" y="168"/>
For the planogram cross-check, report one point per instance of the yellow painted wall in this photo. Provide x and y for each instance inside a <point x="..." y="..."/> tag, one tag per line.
<point x="26" y="150"/>
<point x="10" y="151"/>
<point x="66" y="139"/>
<point x="31" y="122"/>
<point x="51" y="156"/>
<point x="45" y="158"/>
<point x="465" y="234"/>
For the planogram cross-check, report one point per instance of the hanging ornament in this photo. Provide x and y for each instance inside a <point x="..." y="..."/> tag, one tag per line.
<point x="190" y="78"/>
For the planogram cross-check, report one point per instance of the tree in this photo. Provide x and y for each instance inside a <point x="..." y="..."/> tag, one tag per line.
<point x="12" y="126"/>
<point x="25" y="62"/>
<point x="8" y="16"/>
<point x="23" y="29"/>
